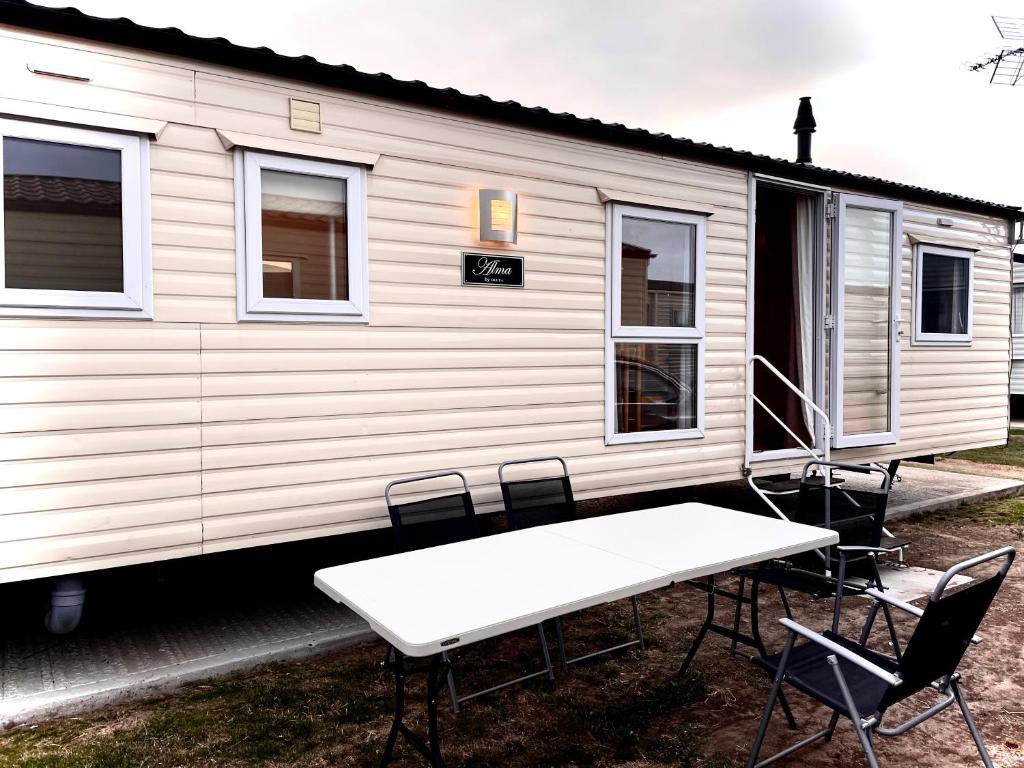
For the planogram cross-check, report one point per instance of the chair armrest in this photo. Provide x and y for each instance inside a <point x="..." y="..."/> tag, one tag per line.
<point x="894" y="601"/>
<point x="913" y="610"/>
<point x="839" y="650"/>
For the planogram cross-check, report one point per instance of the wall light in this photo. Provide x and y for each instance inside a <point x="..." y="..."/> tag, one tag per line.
<point x="498" y="214"/>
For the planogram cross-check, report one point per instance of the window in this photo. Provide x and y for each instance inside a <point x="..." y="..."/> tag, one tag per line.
<point x="301" y="239"/>
<point x="943" y="287"/>
<point x="1017" y="311"/>
<point x="74" y="236"/>
<point x="655" y="354"/>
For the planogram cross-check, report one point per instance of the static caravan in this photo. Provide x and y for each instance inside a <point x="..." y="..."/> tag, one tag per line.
<point x="242" y="291"/>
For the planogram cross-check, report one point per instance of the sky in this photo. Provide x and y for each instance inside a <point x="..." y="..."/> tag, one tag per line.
<point x="886" y="77"/>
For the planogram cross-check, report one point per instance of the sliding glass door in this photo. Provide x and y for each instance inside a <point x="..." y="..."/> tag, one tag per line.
<point x="867" y="238"/>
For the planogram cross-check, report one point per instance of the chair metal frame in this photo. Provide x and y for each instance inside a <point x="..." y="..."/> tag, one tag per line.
<point x="867" y="724"/>
<point x="513" y="519"/>
<point x="447" y="662"/>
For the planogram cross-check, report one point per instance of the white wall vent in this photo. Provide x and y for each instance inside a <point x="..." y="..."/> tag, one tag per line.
<point x="305" y="115"/>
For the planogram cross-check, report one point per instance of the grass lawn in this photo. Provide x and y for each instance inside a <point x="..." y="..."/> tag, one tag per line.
<point x="627" y="711"/>
<point x="1011" y="454"/>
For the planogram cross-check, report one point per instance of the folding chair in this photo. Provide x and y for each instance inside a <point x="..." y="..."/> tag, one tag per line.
<point x="446" y="519"/>
<point x="858" y="516"/>
<point x="545" y="501"/>
<point x="861" y="685"/>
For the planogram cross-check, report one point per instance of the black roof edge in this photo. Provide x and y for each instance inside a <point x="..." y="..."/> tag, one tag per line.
<point x="174" y="42"/>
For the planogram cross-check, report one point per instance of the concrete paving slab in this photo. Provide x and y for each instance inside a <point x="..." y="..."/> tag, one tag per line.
<point x="913" y="583"/>
<point x="44" y="676"/>
<point x="924" y="488"/>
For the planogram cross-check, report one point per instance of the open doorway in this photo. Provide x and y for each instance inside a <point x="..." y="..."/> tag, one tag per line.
<point x="787" y="313"/>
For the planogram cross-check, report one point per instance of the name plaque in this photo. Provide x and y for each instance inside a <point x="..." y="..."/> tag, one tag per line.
<point x="492" y="269"/>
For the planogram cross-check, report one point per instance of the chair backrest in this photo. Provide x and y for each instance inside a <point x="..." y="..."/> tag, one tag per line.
<point x="542" y="501"/>
<point x="857" y="515"/>
<point x="947" y="627"/>
<point x="432" y="521"/>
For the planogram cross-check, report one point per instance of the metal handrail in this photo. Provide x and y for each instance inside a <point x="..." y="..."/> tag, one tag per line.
<point x="814" y="454"/>
<point x="796" y="390"/>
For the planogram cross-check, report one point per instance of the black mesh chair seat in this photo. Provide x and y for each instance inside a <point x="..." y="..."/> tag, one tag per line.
<point x="797" y="580"/>
<point x="543" y="501"/>
<point x="433" y="522"/>
<point x="807" y="670"/>
<point x="893" y="542"/>
<point x="862" y="685"/>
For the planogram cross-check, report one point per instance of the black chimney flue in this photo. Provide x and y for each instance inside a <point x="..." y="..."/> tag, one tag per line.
<point x="803" y="128"/>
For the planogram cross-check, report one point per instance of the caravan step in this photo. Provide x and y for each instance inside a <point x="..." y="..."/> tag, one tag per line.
<point x="792" y="485"/>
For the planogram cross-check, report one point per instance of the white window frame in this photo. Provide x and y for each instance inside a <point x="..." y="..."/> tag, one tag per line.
<point x="1013" y="289"/>
<point x="615" y="332"/>
<point x="249" y="242"/>
<point x="920" y="338"/>
<point x="136" y="298"/>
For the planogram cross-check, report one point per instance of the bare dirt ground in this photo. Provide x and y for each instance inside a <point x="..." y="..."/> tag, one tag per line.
<point x="630" y="710"/>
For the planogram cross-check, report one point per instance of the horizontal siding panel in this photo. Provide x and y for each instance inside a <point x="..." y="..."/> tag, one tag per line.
<point x="85" y="469"/>
<point x="185" y="259"/>
<point x="267" y="336"/>
<point x="412" y="361"/>
<point x="68" y="363"/>
<point x="269" y="432"/>
<point x="50" y="445"/>
<point x="98" y="492"/>
<point x="232" y="385"/>
<point x="485" y="317"/>
<point x="188" y="308"/>
<point x="79" y="335"/>
<point x="104" y="415"/>
<point x="296" y="455"/>
<point x="290" y="406"/>
<point x="72" y="552"/>
<point x="94" y="389"/>
<point x="56" y="523"/>
<point x="195" y="284"/>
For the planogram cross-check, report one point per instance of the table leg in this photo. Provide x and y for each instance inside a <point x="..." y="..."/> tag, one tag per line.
<point x="709" y="619"/>
<point x="396" y="660"/>
<point x="436" y="670"/>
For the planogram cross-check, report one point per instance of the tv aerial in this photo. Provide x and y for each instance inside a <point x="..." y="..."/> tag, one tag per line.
<point x="1006" y="66"/>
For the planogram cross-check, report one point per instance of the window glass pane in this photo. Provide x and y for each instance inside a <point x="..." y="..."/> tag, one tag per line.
<point x="305" y="236"/>
<point x="1017" y="310"/>
<point x="658" y="267"/>
<point x="655" y="387"/>
<point x="866" y="329"/>
<point x="62" y="217"/>
<point x="943" y="294"/>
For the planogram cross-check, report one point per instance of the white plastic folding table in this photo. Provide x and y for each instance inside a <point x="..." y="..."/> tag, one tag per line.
<point x="430" y="601"/>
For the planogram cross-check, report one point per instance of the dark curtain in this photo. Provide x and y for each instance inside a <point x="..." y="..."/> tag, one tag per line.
<point x="777" y="320"/>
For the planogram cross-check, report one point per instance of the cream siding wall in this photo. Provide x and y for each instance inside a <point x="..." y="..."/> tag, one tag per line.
<point x="132" y="441"/>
